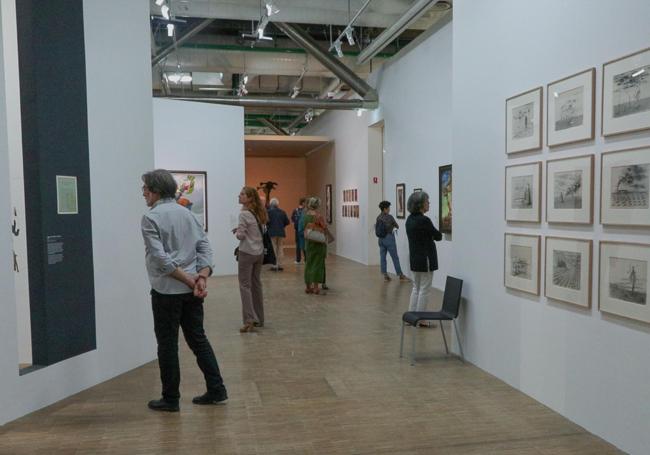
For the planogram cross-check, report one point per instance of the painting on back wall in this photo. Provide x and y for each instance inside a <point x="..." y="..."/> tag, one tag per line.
<point x="444" y="201"/>
<point x="192" y="192"/>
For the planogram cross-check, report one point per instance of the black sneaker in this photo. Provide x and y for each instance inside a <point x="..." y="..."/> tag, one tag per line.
<point x="210" y="398"/>
<point x="324" y="286"/>
<point x="164" y="405"/>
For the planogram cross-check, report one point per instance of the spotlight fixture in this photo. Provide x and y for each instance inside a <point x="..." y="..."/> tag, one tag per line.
<point x="349" y="35"/>
<point x="295" y="91"/>
<point x="337" y="48"/>
<point x="309" y="115"/>
<point x="165" y="11"/>
<point x="160" y="2"/>
<point x="170" y="30"/>
<point x="271" y="9"/>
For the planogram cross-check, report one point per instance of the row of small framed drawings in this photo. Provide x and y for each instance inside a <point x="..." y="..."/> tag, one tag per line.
<point x="624" y="195"/>
<point x="350" y="211"/>
<point x="623" y="272"/>
<point x="570" y="106"/>
<point x="350" y="195"/>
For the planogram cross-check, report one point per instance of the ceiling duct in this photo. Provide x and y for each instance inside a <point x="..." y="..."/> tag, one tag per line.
<point x="289" y="103"/>
<point x="330" y="62"/>
<point x="172" y="47"/>
<point x="392" y="32"/>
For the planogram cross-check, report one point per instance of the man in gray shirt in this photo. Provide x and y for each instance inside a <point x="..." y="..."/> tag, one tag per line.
<point x="179" y="261"/>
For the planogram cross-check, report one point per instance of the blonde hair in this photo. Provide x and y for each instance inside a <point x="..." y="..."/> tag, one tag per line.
<point x="255" y="204"/>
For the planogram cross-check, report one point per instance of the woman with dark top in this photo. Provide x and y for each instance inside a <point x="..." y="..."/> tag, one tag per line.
<point x="387" y="243"/>
<point x="421" y="235"/>
<point x="252" y="218"/>
<point x="315" y="252"/>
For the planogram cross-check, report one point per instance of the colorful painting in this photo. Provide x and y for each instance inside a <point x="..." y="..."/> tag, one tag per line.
<point x="444" y="202"/>
<point x="192" y="192"/>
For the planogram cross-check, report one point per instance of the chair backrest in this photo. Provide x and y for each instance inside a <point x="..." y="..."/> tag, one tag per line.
<point x="451" y="298"/>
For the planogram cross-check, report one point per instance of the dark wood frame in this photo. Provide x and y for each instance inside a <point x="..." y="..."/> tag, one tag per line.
<point x="541" y="120"/>
<point x="328" y="203"/>
<point x="589" y="268"/>
<point x="593" y="107"/>
<point x="591" y="191"/>
<point x="602" y="97"/>
<point x="442" y="227"/>
<point x="205" y="178"/>
<point x="397" y="212"/>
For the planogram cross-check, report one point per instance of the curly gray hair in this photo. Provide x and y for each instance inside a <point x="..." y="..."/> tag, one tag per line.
<point x="416" y="202"/>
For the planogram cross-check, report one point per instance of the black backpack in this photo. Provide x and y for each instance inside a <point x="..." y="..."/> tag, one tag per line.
<point x="380" y="229"/>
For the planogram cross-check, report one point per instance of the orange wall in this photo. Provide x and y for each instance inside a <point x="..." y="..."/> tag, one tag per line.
<point x="291" y="176"/>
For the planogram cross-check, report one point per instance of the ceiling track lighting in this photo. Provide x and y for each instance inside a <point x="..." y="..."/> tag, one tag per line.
<point x="170" y="30"/>
<point x="164" y="10"/>
<point x="160" y="2"/>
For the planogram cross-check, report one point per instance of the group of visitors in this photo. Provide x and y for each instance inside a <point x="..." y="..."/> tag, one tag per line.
<point x="179" y="260"/>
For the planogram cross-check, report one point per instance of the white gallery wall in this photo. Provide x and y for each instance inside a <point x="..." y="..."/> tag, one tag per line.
<point x="349" y="133"/>
<point x="121" y="149"/>
<point x="415" y="105"/>
<point x="204" y="137"/>
<point x="590" y="367"/>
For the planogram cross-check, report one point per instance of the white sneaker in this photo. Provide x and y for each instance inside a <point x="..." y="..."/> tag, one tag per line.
<point x="297" y="263"/>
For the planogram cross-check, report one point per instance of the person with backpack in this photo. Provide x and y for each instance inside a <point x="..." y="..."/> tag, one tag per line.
<point x="384" y="230"/>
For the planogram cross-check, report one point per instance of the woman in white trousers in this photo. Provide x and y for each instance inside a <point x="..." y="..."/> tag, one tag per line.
<point x="422" y="235"/>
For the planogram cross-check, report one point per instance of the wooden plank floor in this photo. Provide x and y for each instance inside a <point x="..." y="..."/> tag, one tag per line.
<point x="323" y="377"/>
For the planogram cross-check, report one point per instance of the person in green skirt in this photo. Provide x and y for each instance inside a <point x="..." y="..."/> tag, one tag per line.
<point x="315" y="252"/>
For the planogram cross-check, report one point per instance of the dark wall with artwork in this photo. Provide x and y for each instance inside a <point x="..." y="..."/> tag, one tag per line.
<point x="55" y="143"/>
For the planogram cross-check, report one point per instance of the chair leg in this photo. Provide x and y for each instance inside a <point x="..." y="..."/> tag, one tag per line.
<point x="444" y="338"/>
<point x="460" y="346"/>
<point x="415" y="329"/>
<point x="401" y="341"/>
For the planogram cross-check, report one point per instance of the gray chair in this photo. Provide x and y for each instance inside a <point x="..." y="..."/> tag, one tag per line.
<point x="449" y="312"/>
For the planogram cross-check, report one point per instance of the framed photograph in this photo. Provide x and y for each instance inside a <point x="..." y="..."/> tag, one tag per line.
<point x="444" y="198"/>
<point x="400" y="200"/>
<point x="524" y="121"/>
<point x="523" y="192"/>
<point x="521" y="262"/>
<point x="624" y="187"/>
<point x="328" y="203"/>
<point x="568" y="270"/>
<point x="623" y="287"/>
<point x="67" y="201"/>
<point x="626" y="94"/>
<point x="192" y="193"/>
<point x="570" y="109"/>
<point x="570" y="190"/>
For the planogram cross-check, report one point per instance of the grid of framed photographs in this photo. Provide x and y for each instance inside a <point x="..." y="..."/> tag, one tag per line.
<point x="350" y="210"/>
<point x="623" y="267"/>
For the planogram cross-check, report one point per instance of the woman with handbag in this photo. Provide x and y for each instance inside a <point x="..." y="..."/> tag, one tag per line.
<point x="249" y="232"/>
<point x="316" y="237"/>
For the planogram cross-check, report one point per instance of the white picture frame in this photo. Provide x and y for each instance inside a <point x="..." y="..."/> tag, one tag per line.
<point x="570" y="190"/>
<point x="568" y="264"/>
<point x="625" y="187"/>
<point x="524" y="122"/>
<point x="570" y="112"/>
<point x="521" y="262"/>
<point x="523" y="195"/>
<point x="626" y="94"/>
<point x="624" y="273"/>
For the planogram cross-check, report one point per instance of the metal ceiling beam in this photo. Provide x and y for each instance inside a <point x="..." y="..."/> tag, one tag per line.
<point x="274" y="127"/>
<point x="328" y="61"/>
<point x="273" y="102"/>
<point x="392" y="32"/>
<point x="172" y="47"/>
